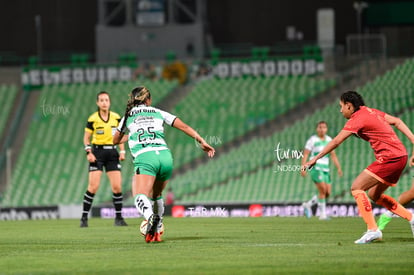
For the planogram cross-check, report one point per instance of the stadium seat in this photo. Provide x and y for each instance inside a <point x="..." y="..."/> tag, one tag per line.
<point x="8" y="95"/>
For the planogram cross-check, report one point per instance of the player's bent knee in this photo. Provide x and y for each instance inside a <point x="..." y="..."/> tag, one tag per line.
<point x="355" y="187"/>
<point x="93" y="188"/>
<point x="116" y="188"/>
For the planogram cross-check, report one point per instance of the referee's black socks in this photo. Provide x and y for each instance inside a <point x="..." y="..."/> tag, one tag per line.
<point x="117" y="200"/>
<point x="87" y="203"/>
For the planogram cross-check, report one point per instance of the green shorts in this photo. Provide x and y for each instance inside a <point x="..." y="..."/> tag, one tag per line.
<point x="155" y="163"/>
<point x="319" y="176"/>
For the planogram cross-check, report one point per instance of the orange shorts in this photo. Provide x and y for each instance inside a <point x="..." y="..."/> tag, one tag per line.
<point x="387" y="171"/>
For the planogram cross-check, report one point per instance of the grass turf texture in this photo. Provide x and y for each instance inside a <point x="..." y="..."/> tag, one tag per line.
<point x="205" y="246"/>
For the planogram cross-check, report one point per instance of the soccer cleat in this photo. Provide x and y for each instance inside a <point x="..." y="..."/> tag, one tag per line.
<point x="152" y="227"/>
<point x="307" y="210"/>
<point x="84" y="222"/>
<point x="370" y="236"/>
<point x="412" y="224"/>
<point x="383" y="221"/>
<point x="157" y="237"/>
<point x="120" y="222"/>
<point x="324" y="218"/>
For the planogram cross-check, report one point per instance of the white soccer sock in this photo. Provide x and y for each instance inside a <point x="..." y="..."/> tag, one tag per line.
<point x="388" y="213"/>
<point x="143" y="205"/>
<point x="313" y="200"/>
<point x="322" y="207"/>
<point x="160" y="210"/>
<point x="160" y="206"/>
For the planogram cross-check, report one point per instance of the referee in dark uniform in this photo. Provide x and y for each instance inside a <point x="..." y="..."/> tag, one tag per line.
<point x="101" y="152"/>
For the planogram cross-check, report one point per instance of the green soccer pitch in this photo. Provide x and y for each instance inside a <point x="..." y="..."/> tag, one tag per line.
<point x="205" y="246"/>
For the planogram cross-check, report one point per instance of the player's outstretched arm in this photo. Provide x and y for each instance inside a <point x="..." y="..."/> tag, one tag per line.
<point x="328" y="148"/>
<point x="180" y="125"/>
<point x="401" y="126"/>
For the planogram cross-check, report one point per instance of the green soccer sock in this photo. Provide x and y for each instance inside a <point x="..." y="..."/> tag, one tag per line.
<point x="384" y="220"/>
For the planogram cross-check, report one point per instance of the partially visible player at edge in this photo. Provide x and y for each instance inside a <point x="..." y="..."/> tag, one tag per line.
<point x="320" y="172"/>
<point x="404" y="199"/>
<point x="100" y="153"/>
<point x="153" y="162"/>
<point x="373" y="126"/>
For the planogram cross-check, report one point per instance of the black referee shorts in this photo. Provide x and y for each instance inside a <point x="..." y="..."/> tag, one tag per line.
<point x="106" y="156"/>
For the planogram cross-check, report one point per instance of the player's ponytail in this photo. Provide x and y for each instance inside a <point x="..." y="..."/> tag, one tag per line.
<point x="137" y="97"/>
<point x="354" y="98"/>
<point x="126" y="115"/>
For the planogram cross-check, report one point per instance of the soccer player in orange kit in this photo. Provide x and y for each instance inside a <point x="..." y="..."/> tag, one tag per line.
<point x="391" y="157"/>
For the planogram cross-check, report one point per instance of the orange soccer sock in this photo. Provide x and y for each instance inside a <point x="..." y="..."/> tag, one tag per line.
<point x="365" y="208"/>
<point x="396" y="208"/>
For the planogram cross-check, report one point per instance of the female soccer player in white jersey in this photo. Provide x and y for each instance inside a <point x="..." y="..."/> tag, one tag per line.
<point x="320" y="172"/>
<point x="153" y="162"/>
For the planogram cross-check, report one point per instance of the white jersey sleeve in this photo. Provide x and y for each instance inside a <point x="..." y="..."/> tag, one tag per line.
<point x="309" y="144"/>
<point x="168" y="118"/>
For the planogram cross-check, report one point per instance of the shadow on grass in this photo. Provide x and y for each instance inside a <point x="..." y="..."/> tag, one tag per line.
<point x="398" y="240"/>
<point x="184" y="238"/>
